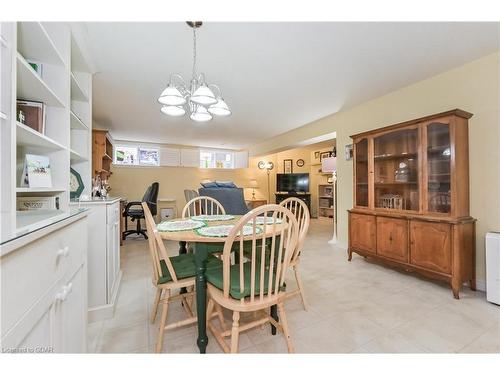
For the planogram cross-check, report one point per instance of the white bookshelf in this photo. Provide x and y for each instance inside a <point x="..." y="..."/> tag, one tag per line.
<point x="65" y="87"/>
<point x="325" y="201"/>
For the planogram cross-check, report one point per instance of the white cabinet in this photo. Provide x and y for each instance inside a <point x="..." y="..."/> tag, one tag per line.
<point x="103" y="256"/>
<point x="51" y="316"/>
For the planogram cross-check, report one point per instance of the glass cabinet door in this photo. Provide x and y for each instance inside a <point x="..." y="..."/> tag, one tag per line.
<point x="361" y="164"/>
<point x="438" y="167"/>
<point x="396" y="177"/>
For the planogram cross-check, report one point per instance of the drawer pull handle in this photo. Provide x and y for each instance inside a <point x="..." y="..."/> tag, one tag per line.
<point x="64" y="252"/>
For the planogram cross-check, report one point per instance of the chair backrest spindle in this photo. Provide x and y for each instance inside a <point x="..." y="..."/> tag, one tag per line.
<point x="200" y="206"/>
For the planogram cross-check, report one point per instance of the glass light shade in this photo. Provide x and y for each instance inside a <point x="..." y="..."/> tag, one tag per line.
<point x="173" y="110"/>
<point x="204" y="96"/>
<point x="220" y="108"/>
<point x="200" y="114"/>
<point x="171" y="96"/>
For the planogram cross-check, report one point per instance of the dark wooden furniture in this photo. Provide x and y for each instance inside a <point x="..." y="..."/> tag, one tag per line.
<point x="411" y="198"/>
<point x="102" y="153"/>
<point x="306" y="197"/>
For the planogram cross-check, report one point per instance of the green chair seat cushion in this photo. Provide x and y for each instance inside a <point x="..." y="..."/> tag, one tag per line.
<point x="214" y="277"/>
<point x="185" y="267"/>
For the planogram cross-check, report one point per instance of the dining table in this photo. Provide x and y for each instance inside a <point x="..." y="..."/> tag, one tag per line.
<point x="201" y="246"/>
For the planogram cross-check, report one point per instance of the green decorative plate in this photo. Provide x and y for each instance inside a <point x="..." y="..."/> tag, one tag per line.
<point x="261" y="220"/>
<point x="179" y="225"/>
<point x="75" y="184"/>
<point x="223" y="230"/>
<point x="212" y="217"/>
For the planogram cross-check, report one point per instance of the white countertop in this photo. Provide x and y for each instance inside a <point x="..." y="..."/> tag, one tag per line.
<point x="95" y="200"/>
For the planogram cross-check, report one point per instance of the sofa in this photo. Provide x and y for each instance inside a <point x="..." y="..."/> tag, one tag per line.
<point x="231" y="198"/>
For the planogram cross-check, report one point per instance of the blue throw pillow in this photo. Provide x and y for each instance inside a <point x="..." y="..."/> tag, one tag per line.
<point x="226" y="184"/>
<point x="210" y="184"/>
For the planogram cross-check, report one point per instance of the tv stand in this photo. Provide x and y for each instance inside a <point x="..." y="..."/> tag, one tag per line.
<point x="306" y="197"/>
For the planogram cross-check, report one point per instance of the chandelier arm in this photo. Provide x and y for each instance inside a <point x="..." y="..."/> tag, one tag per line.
<point x="218" y="89"/>
<point x="178" y="76"/>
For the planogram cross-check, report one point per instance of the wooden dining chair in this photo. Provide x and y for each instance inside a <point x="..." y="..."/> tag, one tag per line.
<point x="301" y="212"/>
<point x="203" y="206"/>
<point x="169" y="274"/>
<point x="250" y="285"/>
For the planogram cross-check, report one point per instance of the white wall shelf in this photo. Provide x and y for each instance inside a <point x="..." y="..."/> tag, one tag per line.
<point x="29" y="137"/>
<point x="77" y="93"/>
<point x="76" y="157"/>
<point x="76" y="123"/>
<point x="33" y="42"/>
<point x="23" y="190"/>
<point x="31" y="87"/>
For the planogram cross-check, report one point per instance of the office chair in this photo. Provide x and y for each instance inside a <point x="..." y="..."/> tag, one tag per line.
<point x="135" y="212"/>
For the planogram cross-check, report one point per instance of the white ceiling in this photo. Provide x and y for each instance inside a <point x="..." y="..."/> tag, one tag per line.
<point x="274" y="76"/>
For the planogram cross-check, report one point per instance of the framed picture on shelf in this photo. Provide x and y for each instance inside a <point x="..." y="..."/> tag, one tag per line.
<point x="288" y="166"/>
<point x="36" y="172"/>
<point x="325" y="154"/>
<point x="349" y="152"/>
<point x="32" y="114"/>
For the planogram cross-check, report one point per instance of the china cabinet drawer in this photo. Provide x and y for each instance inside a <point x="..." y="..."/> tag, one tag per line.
<point x="31" y="270"/>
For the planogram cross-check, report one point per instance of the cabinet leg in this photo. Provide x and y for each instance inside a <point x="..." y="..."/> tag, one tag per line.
<point x="455" y="286"/>
<point x="349" y="255"/>
<point x="472" y="283"/>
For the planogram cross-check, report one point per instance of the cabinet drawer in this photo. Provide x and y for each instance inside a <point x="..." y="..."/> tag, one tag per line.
<point x="28" y="272"/>
<point x="430" y="245"/>
<point x="392" y="238"/>
<point x="362" y="232"/>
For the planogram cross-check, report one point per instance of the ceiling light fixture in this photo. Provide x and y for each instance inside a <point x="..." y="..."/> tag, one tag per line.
<point x="199" y="100"/>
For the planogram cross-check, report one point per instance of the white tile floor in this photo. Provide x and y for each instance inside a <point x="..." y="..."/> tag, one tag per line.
<point x="357" y="307"/>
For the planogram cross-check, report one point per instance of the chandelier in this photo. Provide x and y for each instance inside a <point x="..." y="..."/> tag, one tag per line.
<point x="198" y="99"/>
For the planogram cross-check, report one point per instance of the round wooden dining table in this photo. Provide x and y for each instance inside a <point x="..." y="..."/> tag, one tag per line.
<point x="201" y="245"/>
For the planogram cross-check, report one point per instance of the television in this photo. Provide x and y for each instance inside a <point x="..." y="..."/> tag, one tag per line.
<point x="292" y="182"/>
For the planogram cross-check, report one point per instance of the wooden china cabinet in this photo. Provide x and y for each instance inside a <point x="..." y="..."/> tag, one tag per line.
<point x="411" y="198"/>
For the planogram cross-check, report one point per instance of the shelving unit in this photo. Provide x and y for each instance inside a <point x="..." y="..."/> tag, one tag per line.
<point x="325" y="201"/>
<point x="65" y="87"/>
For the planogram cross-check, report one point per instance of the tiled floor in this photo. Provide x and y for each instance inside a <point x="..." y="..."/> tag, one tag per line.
<point x="357" y="306"/>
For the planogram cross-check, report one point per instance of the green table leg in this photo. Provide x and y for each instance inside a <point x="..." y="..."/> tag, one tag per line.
<point x="200" y="258"/>
<point x="182" y="250"/>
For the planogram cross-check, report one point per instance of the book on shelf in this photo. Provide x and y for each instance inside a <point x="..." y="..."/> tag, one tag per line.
<point x="32" y="114"/>
<point x="36" y="172"/>
<point x="36" y="66"/>
<point x="37" y="203"/>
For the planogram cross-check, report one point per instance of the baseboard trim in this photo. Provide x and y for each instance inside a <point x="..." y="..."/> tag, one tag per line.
<point x="481" y="285"/>
<point x="106" y="311"/>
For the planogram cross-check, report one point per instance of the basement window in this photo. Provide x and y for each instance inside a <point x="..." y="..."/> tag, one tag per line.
<point x="216" y="159"/>
<point x="134" y="155"/>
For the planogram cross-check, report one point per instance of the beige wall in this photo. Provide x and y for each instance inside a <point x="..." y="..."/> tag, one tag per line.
<point x="131" y="181"/>
<point x="473" y="87"/>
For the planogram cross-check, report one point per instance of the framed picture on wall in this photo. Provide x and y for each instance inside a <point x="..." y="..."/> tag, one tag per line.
<point x="288" y="166"/>
<point x="316" y="155"/>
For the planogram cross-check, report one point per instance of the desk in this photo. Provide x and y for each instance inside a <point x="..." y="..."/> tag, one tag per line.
<point x="200" y="258"/>
<point x="166" y="203"/>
